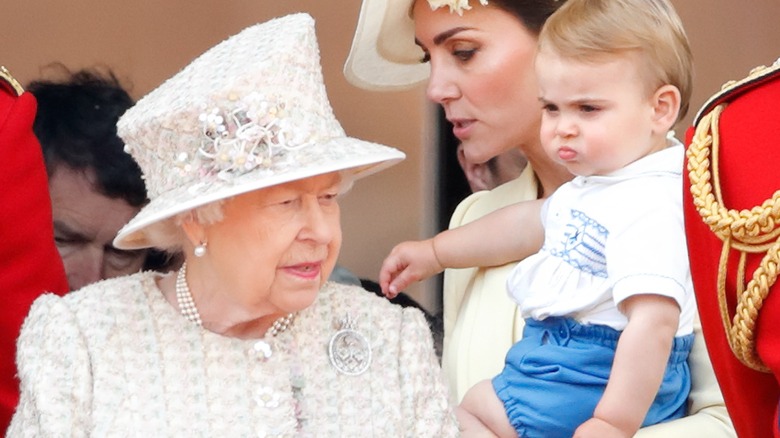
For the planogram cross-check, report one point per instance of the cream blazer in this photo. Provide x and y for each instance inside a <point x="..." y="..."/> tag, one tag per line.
<point x="481" y="323"/>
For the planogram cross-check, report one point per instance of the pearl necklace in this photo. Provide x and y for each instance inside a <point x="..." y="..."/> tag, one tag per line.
<point x="190" y="311"/>
<point x="184" y="297"/>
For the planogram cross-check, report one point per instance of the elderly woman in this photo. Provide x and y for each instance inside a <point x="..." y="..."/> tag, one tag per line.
<point x="244" y="162"/>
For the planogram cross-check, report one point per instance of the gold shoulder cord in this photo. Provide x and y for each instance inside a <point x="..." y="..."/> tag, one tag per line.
<point x="747" y="231"/>
<point x="5" y="75"/>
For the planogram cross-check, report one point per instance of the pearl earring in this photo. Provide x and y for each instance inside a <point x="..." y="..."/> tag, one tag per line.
<point x="200" y="250"/>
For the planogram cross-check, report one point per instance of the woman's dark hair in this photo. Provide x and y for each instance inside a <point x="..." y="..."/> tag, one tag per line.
<point x="76" y="126"/>
<point x="532" y="13"/>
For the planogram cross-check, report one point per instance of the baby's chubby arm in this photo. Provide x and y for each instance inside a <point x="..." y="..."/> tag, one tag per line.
<point x="511" y="233"/>
<point x="638" y="369"/>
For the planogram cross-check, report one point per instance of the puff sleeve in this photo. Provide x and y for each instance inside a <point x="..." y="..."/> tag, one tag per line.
<point x="53" y="365"/>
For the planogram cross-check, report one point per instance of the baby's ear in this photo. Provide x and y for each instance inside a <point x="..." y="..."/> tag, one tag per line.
<point x="666" y="107"/>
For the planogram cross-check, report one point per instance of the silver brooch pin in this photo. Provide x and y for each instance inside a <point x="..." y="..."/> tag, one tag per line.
<point x="349" y="350"/>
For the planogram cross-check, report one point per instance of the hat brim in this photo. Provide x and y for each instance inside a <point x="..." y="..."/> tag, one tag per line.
<point x="383" y="54"/>
<point x="171" y="203"/>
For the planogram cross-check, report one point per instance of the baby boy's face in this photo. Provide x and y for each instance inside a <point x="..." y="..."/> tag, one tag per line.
<point x="597" y="116"/>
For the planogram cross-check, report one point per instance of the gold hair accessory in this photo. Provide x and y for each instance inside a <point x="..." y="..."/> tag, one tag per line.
<point x="457" y="6"/>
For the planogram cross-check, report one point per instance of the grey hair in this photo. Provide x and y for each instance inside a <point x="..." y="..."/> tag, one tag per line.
<point x="168" y="235"/>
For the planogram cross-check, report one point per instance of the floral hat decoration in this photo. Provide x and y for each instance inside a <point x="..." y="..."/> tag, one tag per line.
<point x="383" y="54"/>
<point x="251" y="112"/>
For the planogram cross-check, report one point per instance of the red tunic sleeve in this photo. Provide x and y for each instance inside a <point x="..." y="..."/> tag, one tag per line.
<point x="29" y="261"/>
<point x="747" y="145"/>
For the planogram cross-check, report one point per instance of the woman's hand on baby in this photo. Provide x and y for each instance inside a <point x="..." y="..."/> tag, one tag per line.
<point x="407" y="263"/>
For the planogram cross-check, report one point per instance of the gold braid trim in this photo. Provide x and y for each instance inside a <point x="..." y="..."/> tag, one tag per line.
<point x="747" y="231"/>
<point x="5" y="76"/>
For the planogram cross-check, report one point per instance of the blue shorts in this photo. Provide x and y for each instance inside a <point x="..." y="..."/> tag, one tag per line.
<point x="554" y="377"/>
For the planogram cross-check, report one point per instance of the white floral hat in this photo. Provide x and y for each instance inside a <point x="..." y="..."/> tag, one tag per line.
<point x="252" y="112"/>
<point x="383" y="54"/>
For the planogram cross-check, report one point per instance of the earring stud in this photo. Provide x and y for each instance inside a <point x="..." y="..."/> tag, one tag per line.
<point x="200" y="250"/>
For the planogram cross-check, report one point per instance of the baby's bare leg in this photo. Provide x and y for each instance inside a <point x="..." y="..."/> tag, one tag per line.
<point x="481" y="413"/>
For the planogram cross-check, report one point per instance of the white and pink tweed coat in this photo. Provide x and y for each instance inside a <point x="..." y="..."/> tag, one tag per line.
<point x="116" y="359"/>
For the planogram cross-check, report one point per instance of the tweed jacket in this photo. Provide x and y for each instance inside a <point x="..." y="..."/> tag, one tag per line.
<point x="116" y="359"/>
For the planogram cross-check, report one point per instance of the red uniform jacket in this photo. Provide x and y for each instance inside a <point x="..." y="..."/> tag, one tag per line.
<point x="29" y="262"/>
<point x="742" y="122"/>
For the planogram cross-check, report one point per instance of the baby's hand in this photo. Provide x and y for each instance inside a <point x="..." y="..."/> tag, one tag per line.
<point x="408" y="262"/>
<point x="598" y="428"/>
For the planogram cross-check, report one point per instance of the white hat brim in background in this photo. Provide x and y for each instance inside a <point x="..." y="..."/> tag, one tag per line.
<point x="383" y="55"/>
<point x="250" y="113"/>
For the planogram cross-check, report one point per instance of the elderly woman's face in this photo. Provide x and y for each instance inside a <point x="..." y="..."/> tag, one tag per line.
<point x="482" y="75"/>
<point x="276" y="247"/>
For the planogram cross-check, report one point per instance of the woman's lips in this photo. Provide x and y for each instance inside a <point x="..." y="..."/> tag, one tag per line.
<point x="307" y="271"/>
<point x="461" y="128"/>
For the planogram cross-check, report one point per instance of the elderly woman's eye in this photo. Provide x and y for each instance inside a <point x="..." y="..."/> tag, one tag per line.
<point x="329" y="197"/>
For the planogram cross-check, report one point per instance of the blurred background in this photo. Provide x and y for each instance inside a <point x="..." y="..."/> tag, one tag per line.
<point x="146" y="41"/>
